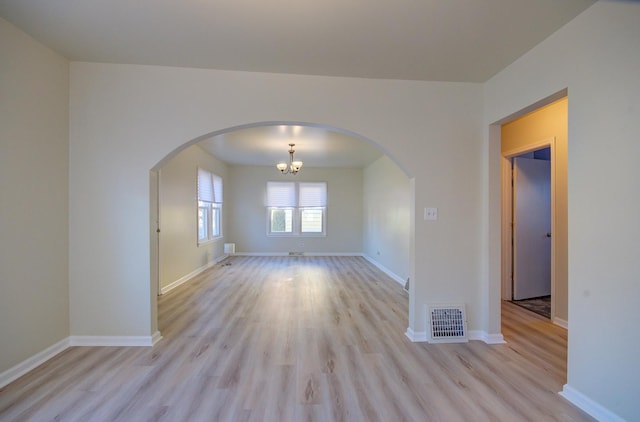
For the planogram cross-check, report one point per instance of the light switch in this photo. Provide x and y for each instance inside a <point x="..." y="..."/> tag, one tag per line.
<point x="430" y="214"/>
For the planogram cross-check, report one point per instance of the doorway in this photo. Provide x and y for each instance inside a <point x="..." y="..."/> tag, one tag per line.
<point x="531" y="231"/>
<point x="539" y="128"/>
<point x="526" y="278"/>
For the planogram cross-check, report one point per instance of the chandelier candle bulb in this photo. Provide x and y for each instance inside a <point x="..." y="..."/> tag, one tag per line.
<point x="293" y="167"/>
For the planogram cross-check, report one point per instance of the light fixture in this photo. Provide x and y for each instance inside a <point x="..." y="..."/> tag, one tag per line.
<point x="293" y="167"/>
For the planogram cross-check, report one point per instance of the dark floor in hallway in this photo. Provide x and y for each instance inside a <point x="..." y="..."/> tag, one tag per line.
<point x="539" y="305"/>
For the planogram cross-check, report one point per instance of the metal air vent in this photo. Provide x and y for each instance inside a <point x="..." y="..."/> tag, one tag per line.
<point x="447" y="323"/>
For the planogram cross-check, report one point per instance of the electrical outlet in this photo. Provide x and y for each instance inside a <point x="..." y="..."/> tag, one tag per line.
<point x="430" y="214"/>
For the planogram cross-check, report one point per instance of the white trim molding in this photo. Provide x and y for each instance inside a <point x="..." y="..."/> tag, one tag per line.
<point x="421" y="336"/>
<point x="33" y="362"/>
<point x="155" y="338"/>
<point x="39" y="358"/>
<point x="331" y="254"/>
<point x="192" y="274"/>
<point x="385" y="270"/>
<point x="297" y="253"/>
<point x="591" y="407"/>
<point x="561" y="322"/>
<point x="117" y="341"/>
<point x="486" y="337"/>
<point x="416" y="336"/>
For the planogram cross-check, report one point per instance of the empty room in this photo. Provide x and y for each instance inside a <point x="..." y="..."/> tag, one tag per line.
<point x="248" y="211"/>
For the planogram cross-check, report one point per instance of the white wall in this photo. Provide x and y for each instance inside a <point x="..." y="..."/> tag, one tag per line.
<point x="34" y="96"/>
<point x="125" y="119"/>
<point x="180" y="254"/>
<point x="386" y="203"/>
<point x="596" y="57"/>
<point x="248" y="218"/>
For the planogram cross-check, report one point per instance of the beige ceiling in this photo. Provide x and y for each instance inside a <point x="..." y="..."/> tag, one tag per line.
<point x="435" y="40"/>
<point x="269" y="144"/>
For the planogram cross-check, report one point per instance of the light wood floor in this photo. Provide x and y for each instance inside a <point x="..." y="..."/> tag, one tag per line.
<point x="295" y="339"/>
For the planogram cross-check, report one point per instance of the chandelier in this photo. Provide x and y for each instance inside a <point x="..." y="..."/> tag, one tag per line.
<point x="293" y="167"/>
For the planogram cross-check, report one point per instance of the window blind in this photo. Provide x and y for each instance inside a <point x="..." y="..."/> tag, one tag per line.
<point x="313" y="194"/>
<point x="217" y="188"/>
<point x="281" y="194"/>
<point x="205" y="186"/>
<point x="209" y="186"/>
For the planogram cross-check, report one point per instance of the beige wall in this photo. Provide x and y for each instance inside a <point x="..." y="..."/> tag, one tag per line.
<point x="386" y="218"/>
<point x="180" y="253"/>
<point x="546" y="123"/>
<point x="595" y="58"/>
<point x="248" y="219"/>
<point x="34" y="112"/>
<point x="126" y="119"/>
<point x="368" y="213"/>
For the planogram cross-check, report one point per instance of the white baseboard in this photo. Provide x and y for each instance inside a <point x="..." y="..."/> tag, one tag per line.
<point x="591" y="407"/>
<point x="156" y="337"/>
<point x="261" y="254"/>
<point x="33" y="362"/>
<point x="421" y="336"/>
<point x="192" y="274"/>
<point x="561" y="322"/>
<point x="332" y="254"/>
<point x="486" y="337"/>
<point x="117" y="341"/>
<point x="39" y="358"/>
<point x="301" y="254"/>
<point x="416" y="336"/>
<point x="385" y="270"/>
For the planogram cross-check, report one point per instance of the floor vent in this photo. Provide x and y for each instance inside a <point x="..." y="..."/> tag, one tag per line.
<point x="447" y="323"/>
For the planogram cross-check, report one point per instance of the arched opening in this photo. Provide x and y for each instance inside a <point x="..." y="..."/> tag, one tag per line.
<point x="379" y="248"/>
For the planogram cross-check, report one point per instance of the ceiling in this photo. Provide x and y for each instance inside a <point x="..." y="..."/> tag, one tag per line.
<point x="269" y="144"/>
<point x="434" y="40"/>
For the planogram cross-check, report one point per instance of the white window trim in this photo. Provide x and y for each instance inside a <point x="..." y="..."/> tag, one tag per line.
<point x="281" y="234"/>
<point x="210" y="236"/>
<point x="324" y="222"/>
<point x="215" y="183"/>
<point x="297" y="216"/>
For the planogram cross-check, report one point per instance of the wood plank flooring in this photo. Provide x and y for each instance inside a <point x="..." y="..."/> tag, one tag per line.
<point x="300" y="339"/>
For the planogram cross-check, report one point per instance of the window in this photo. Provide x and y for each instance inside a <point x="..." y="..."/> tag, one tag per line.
<point x="209" y="206"/>
<point x="281" y="220"/>
<point x="296" y="208"/>
<point x="311" y="220"/>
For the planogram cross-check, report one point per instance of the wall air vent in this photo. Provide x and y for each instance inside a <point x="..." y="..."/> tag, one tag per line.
<point x="447" y="323"/>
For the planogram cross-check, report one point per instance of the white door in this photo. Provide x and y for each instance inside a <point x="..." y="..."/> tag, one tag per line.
<point x="531" y="228"/>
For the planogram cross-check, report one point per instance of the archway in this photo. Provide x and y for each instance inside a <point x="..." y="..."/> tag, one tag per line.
<point x="154" y="198"/>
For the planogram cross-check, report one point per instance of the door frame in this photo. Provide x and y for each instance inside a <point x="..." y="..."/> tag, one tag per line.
<point x="507" y="215"/>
